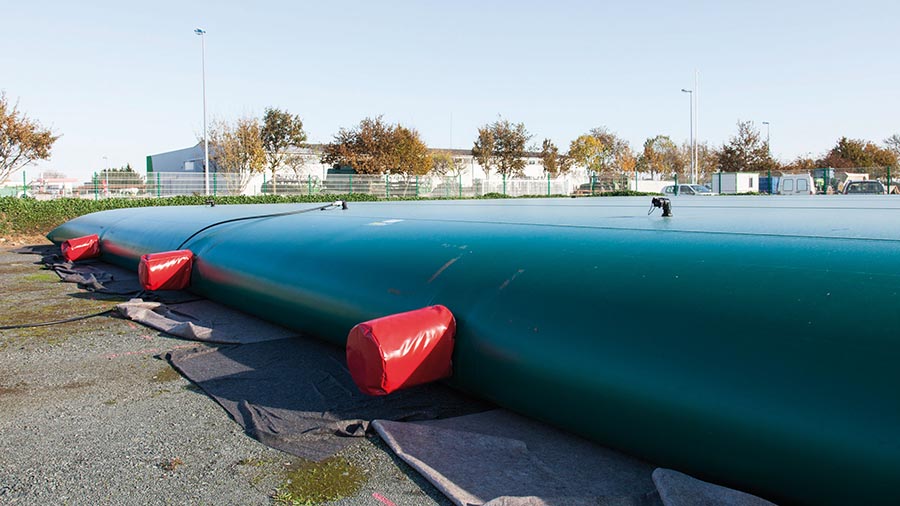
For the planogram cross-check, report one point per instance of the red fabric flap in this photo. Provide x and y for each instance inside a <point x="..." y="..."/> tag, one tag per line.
<point x="81" y="248"/>
<point x="170" y="270"/>
<point x="401" y="350"/>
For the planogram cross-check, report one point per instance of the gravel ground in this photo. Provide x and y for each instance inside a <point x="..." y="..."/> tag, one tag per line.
<point x="90" y="414"/>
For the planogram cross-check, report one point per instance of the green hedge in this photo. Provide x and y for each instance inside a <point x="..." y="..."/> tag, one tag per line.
<point x="29" y="216"/>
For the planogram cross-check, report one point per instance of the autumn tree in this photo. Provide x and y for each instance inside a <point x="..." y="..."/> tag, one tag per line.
<point x="281" y="133"/>
<point x="500" y="146"/>
<point x="367" y="147"/>
<point x="661" y="156"/>
<point x="707" y="160"/>
<point x="746" y="152"/>
<point x="411" y="154"/>
<point x="851" y="153"/>
<point x="599" y="150"/>
<point x="22" y="140"/>
<point x="800" y="164"/>
<point x="445" y="164"/>
<point x="554" y="162"/>
<point x="237" y="150"/>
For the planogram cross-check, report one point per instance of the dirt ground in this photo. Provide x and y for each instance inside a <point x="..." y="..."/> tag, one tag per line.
<point x="92" y="414"/>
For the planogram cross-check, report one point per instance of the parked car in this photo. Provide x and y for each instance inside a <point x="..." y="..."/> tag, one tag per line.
<point x="687" y="189"/>
<point x="864" y="187"/>
<point x="796" y="184"/>
<point x="598" y="187"/>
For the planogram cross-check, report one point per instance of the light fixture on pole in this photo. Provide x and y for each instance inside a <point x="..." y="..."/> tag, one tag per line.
<point x="201" y="33"/>
<point x="693" y="149"/>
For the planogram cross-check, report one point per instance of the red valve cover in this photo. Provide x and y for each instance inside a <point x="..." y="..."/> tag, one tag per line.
<point x="81" y="248"/>
<point x="170" y="270"/>
<point x="401" y="350"/>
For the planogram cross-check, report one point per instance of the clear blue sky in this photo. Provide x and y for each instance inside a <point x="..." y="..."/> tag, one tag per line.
<point x="123" y="80"/>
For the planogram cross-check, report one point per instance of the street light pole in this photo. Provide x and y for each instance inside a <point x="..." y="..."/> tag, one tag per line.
<point x="769" y="152"/>
<point x="106" y="177"/>
<point x="693" y="149"/>
<point x="201" y="33"/>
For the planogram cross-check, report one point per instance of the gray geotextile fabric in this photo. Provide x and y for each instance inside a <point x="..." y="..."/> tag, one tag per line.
<point x="202" y="320"/>
<point x="679" y="489"/>
<point x="297" y="394"/>
<point x="91" y="275"/>
<point x="498" y="458"/>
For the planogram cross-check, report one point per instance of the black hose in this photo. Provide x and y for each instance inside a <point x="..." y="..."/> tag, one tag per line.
<point x="57" y="322"/>
<point x="340" y="203"/>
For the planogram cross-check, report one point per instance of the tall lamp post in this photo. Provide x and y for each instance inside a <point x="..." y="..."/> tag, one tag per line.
<point x="106" y="176"/>
<point x="769" y="152"/>
<point x="201" y="33"/>
<point x="693" y="148"/>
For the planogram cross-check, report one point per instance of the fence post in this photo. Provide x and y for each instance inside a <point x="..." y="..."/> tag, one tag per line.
<point x="417" y="186"/>
<point x="548" y="184"/>
<point x="263" y="188"/>
<point x="504" y="183"/>
<point x="889" y="180"/>
<point x="96" y="190"/>
<point x="351" y="184"/>
<point x="24" y="184"/>
<point x="215" y="184"/>
<point x="676" y="183"/>
<point x="592" y="185"/>
<point x="387" y="187"/>
<point x="158" y="189"/>
<point x="635" y="181"/>
<point x="824" y="185"/>
<point x="459" y="184"/>
<point x="309" y="184"/>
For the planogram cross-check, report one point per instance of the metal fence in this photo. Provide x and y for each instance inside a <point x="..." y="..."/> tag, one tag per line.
<point x="166" y="184"/>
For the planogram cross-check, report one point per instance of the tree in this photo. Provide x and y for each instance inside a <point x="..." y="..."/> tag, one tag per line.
<point x="851" y="153"/>
<point x="445" y="164"/>
<point x="554" y="163"/>
<point x="661" y="156"/>
<point x="501" y="146"/>
<point x="237" y="151"/>
<point x="280" y="133"/>
<point x="22" y="140"/>
<point x="746" y="152"/>
<point x="411" y="154"/>
<point x="800" y="164"/>
<point x="368" y="148"/>
<point x="893" y="144"/>
<point x="122" y="177"/>
<point x="599" y="150"/>
<point x="707" y="160"/>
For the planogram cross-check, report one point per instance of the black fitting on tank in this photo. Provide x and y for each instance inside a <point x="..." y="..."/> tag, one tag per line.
<point x="211" y="202"/>
<point x="663" y="203"/>
<point x="344" y="205"/>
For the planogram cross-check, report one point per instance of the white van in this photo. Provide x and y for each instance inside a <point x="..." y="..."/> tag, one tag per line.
<point x="796" y="184"/>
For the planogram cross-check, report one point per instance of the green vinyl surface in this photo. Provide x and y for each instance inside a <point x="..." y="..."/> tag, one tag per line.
<point x="752" y="342"/>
